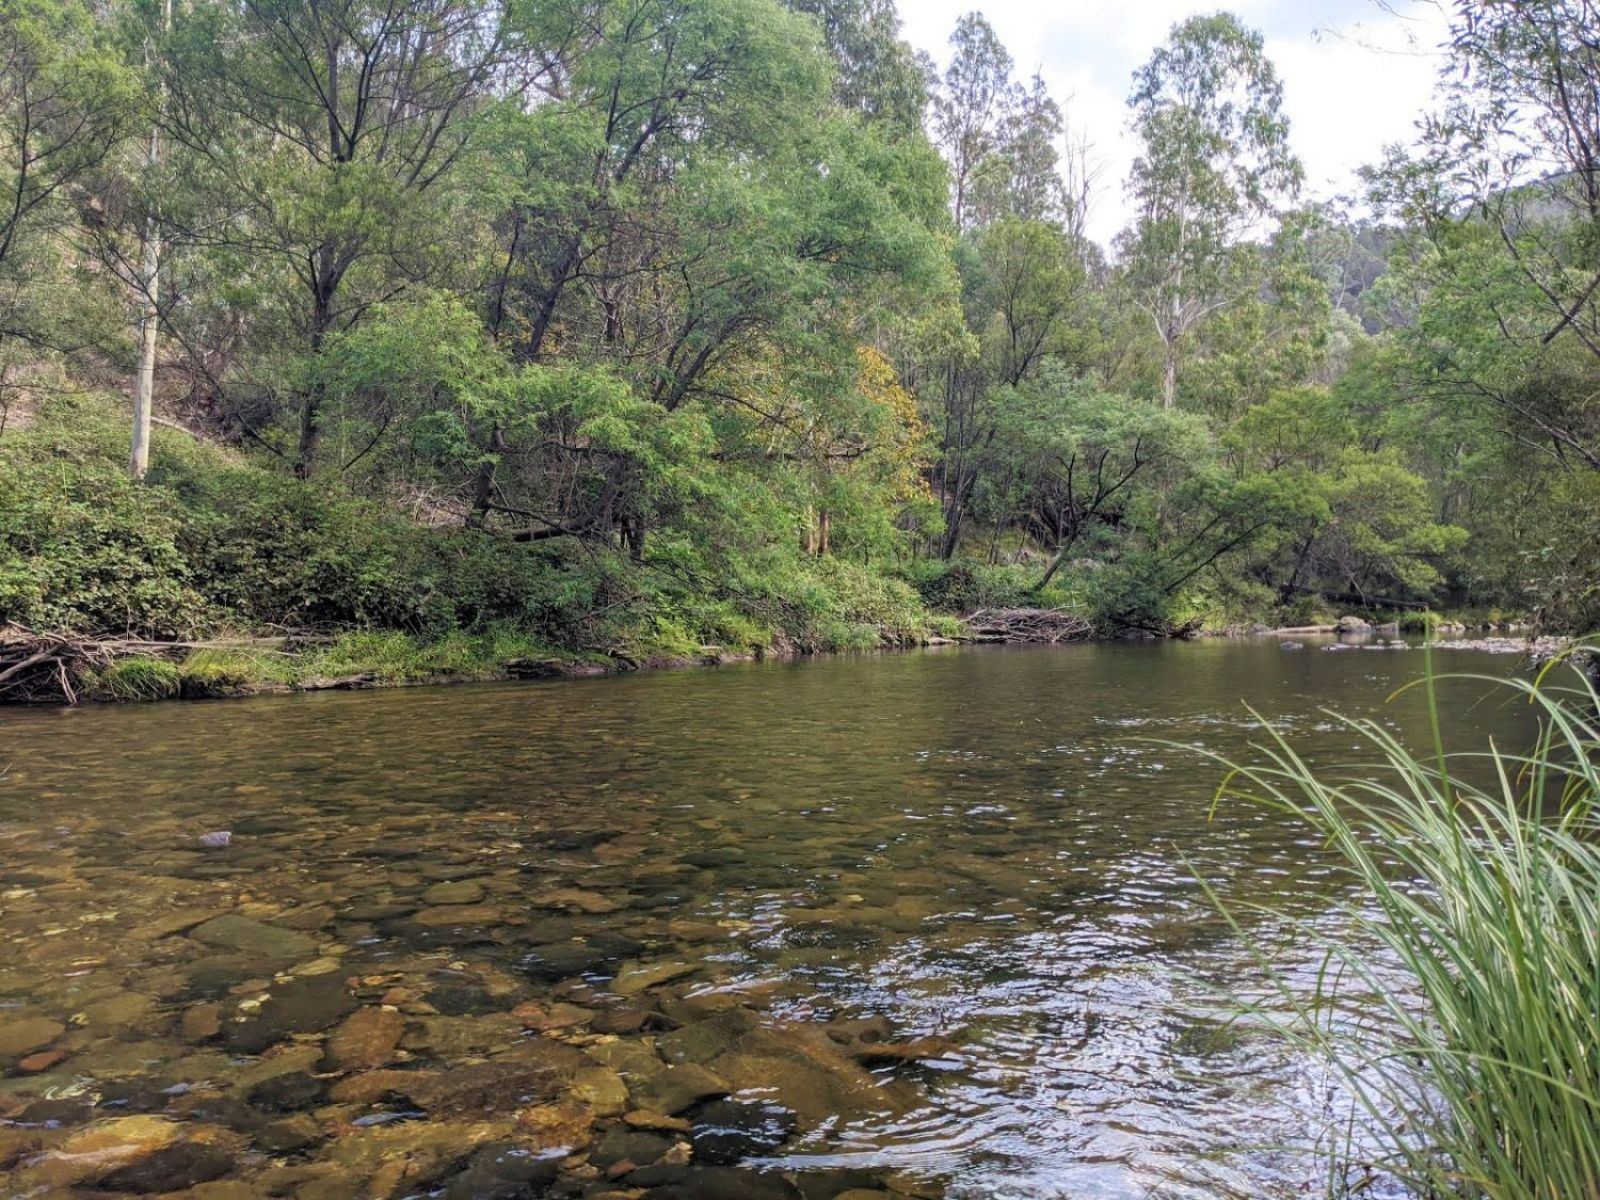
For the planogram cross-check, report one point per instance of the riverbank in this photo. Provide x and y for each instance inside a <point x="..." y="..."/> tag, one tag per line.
<point x="59" y="669"/>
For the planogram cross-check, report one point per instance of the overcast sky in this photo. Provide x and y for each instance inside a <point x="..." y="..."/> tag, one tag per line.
<point x="1355" y="73"/>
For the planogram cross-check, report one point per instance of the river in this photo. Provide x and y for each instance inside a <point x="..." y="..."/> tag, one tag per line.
<point x="923" y="925"/>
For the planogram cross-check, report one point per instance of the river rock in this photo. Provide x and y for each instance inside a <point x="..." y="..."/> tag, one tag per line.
<point x="601" y="1089"/>
<point x="367" y="1038"/>
<point x="459" y="891"/>
<point x="677" y="1088"/>
<point x="458" y="1037"/>
<point x="20" y="1036"/>
<point x="562" y="1128"/>
<point x="307" y="1005"/>
<point x="41" y="1061"/>
<point x="118" y="1011"/>
<point x="201" y="1022"/>
<point x="637" y="1146"/>
<point x="574" y="898"/>
<point x="246" y="936"/>
<point x="726" y="1132"/>
<point x="504" y="1171"/>
<point x="635" y="977"/>
<point x="289" y="1135"/>
<point x="1353" y="624"/>
<point x="288" y="1093"/>
<point x="485" y="1089"/>
<point x="446" y="915"/>
<point x="372" y="1086"/>
<point x="105" y="1148"/>
<point x="170" y="1169"/>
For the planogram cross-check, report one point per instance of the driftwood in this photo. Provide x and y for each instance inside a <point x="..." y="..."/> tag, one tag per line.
<point x="1050" y="625"/>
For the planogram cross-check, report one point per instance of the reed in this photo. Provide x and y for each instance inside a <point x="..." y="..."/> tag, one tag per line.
<point x="1474" y="1068"/>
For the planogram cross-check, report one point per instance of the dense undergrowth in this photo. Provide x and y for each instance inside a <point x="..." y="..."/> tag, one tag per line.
<point x="214" y="547"/>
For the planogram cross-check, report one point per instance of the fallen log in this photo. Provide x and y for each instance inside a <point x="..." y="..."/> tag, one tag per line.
<point x="1046" y="625"/>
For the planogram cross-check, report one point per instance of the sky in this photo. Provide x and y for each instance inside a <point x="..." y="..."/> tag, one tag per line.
<point x="1356" y="73"/>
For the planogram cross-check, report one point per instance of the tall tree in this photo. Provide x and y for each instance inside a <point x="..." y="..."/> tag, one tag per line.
<point x="1214" y="162"/>
<point x="970" y="108"/>
<point x="879" y="75"/>
<point x="149" y="278"/>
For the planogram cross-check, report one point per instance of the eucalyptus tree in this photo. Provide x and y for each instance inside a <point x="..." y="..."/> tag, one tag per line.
<point x="1214" y="163"/>
<point x="970" y="109"/>
<point x="878" y="74"/>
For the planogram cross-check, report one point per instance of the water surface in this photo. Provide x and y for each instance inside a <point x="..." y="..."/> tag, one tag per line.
<point x="499" y="919"/>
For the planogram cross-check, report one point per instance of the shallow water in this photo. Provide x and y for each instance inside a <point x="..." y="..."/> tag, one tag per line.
<point x="784" y="867"/>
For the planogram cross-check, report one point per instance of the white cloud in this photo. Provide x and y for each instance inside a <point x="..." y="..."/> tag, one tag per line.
<point x="1356" y="73"/>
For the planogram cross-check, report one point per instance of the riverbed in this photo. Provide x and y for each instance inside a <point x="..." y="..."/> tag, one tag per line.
<point x="919" y="925"/>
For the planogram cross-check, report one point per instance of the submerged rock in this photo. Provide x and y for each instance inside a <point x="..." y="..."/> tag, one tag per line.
<point x="367" y="1038"/>
<point x="636" y="977"/>
<point x="462" y="891"/>
<point x="247" y="936"/>
<point x="170" y="1169"/>
<point x="25" y="1034"/>
<point x="677" y="1088"/>
<point x="726" y="1132"/>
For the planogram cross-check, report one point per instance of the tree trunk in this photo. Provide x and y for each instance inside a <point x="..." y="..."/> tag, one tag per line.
<point x="1169" y="372"/>
<point x="144" y="380"/>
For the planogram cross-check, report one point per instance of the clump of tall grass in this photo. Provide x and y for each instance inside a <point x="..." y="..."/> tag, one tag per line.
<point x="1477" y="1073"/>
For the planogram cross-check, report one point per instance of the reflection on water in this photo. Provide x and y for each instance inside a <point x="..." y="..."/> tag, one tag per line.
<point x="919" y="925"/>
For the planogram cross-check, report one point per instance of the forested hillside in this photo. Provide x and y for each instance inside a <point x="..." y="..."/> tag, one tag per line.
<point x="475" y="331"/>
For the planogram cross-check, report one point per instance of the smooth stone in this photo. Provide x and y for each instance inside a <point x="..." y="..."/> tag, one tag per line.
<point x="643" y="1118"/>
<point x="29" y="1033"/>
<point x="43" y="1060"/>
<point x="201" y="1022"/>
<point x="290" y="1135"/>
<point x="638" y="1146"/>
<point x="574" y="898"/>
<point x="726" y="1132"/>
<point x="459" y="914"/>
<point x="247" y="936"/>
<point x="105" y="1148"/>
<point x="635" y="977"/>
<point x="677" y="1088"/>
<point x="462" y="891"/>
<point x="120" y="1010"/>
<point x="485" y="1089"/>
<point x="504" y="1171"/>
<point x="601" y="1089"/>
<point x="373" y="1086"/>
<point x="170" y="1169"/>
<point x="307" y="1005"/>
<point x="367" y="1038"/>
<point x="288" y="1093"/>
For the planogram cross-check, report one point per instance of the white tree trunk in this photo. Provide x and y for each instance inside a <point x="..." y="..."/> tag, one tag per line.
<point x="149" y="313"/>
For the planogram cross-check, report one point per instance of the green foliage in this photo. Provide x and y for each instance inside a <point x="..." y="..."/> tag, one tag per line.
<point x="83" y="548"/>
<point x="137" y="678"/>
<point x="1479" y="878"/>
